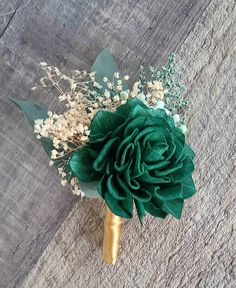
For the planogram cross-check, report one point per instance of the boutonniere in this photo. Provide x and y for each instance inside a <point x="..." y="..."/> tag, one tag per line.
<point x="125" y="145"/>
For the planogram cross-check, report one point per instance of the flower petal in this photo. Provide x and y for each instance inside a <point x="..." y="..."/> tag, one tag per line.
<point x="186" y="169"/>
<point x="114" y="190"/>
<point x="122" y="208"/>
<point x="101" y="160"/>
<point x="104" y="122"/>
<point x="188" y="187"/>
<point x="140" y="209"/>
<point x="169" y="192"/>
<point x="174" y="207"/>
<point x="137" y="166"/>
<point x="125" y="110"/>
<point x="81" y="163"/>
<point x="154" y="209"/>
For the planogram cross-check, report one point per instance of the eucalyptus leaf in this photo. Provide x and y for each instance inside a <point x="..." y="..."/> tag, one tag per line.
<point x="32" y="112"/>
<point x="105" y="66"/>
<point x="90" y="189"/>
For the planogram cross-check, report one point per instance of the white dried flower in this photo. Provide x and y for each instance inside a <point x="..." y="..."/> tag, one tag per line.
<point x="135" y="89"/>
<point x="73" y="86"/>
<point x="117" y="75"/>
<point x="107" y="94"/>
<point x="87" y="132"/>
<point x="176" y="118"/>
<point x="77" y="191"/>
<point x="84" y="138"/>
<point x="43" y="64"/>
<point x="109" y="85"/>
<point x="73" y="181"/>
<point x="95" y="105"/>
<point x="119" y="87"/>
<point x="141" y="97"/>
<point x="54" y="154"/>
<point x="82" y="194"/>
<point x="38" y="121"/>
<point x="63" y="182"/>
<point x="81" y="128"/>
<point x="160" y="104"/>
<point x="116" y="98"/>
<point x="97" y="85"/>
<point x="149" y="85"/>
<point x="157" y="85"/>
<point x="42" y="82"/>
<point x="183" y="128"/>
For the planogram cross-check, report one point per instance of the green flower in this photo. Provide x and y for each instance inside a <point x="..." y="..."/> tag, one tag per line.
<point x="139" y="157"/>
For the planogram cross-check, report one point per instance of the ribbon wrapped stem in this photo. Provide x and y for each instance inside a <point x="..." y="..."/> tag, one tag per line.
<point x="111" y="240"/>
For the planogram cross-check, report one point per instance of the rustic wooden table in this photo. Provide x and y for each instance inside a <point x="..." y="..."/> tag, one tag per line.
<point x="50" y="238"/>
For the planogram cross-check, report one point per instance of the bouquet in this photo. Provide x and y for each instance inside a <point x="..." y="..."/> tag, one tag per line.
<point x="125" y="145"/>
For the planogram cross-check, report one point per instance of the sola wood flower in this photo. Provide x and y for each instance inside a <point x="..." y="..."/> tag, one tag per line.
<point x="124" y="145"/>
<point x="138" y="156"/>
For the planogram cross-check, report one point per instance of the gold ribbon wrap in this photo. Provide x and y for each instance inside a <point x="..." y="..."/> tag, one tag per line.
<point x="111" y="240"/>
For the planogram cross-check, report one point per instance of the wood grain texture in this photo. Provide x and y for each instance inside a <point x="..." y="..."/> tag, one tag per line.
<point x="199" y="250"/>
<point x="194" y="252"/>
<point x="8" y="10"/>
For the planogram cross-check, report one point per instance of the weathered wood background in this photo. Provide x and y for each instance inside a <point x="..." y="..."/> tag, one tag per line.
<point x="49" y="238"/>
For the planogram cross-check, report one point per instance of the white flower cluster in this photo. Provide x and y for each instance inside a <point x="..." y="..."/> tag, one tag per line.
<point x="113" y="93"/>
<point x="68" y="130"/>
<point x="155" y="93"/>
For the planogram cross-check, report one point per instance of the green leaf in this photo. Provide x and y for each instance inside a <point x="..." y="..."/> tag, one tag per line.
<point x="32" y="112"/>
<point x="140" y="210"/>
<point x="81" y="163"/>
<point x="90" y="189"/>
<point x="105" y="66"/>
<point x="103" y="123"/>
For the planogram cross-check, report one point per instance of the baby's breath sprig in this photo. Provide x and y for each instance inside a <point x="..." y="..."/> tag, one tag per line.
<point x="142" y="80"/>
<point x="113" y="93"/>
<point x="163" y="90"/>
<point x="169" y="75"/>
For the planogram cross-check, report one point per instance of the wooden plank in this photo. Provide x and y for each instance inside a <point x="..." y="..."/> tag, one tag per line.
<point x="8" y="10"/>
<point x="68" y="34"/>
<point x="199" y="250"/>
